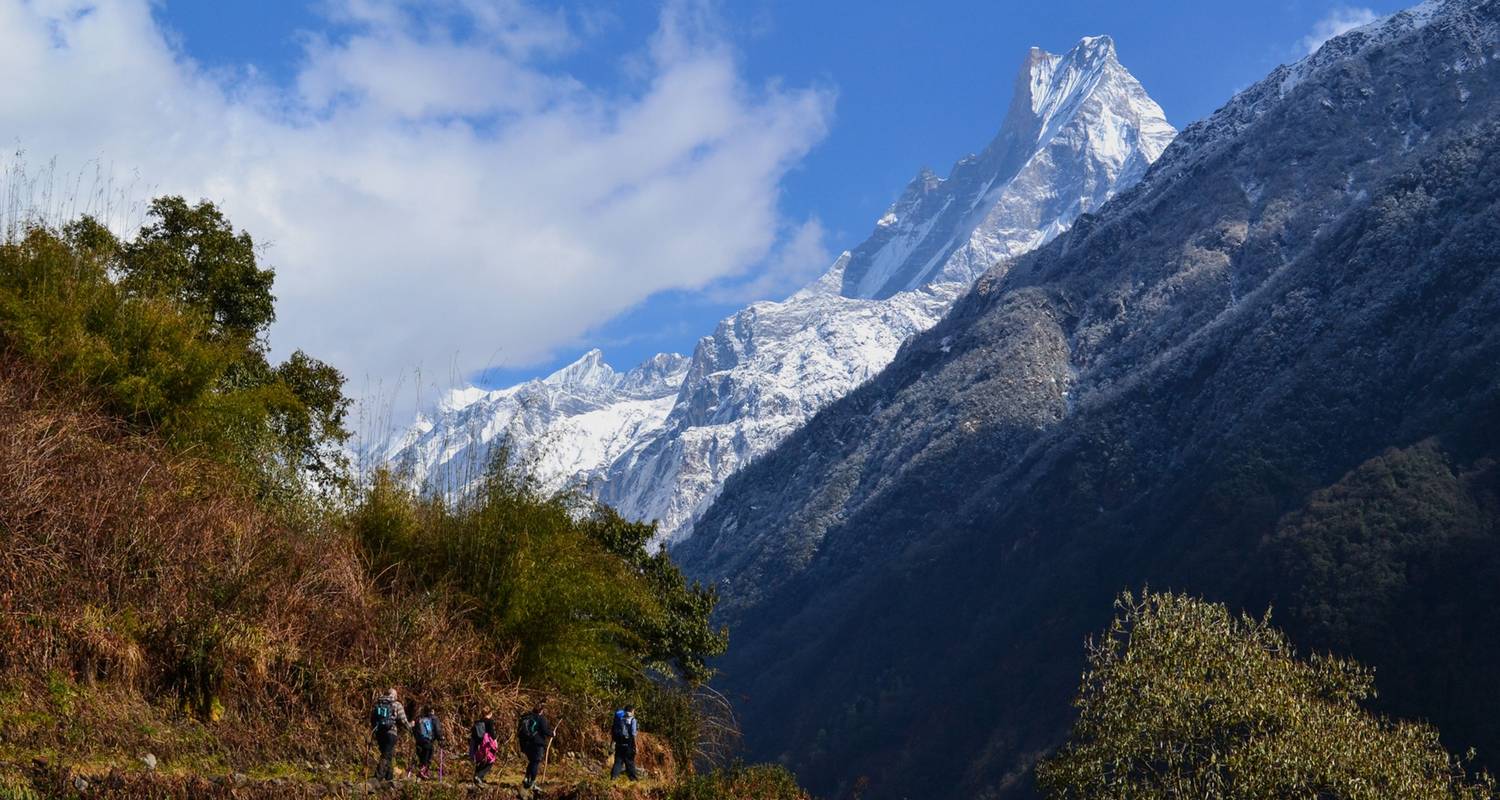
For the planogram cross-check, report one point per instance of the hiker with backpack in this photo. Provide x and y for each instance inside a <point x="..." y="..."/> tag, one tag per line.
<point x="623" y="733"/>
<point x="534" y="735"/>
<point x="483" y="747"/>
<point x="386" y="721"/>
<point x="426" y="732"/>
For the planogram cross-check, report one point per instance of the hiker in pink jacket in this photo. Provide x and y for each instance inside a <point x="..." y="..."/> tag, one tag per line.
<point x="484" y="748"/>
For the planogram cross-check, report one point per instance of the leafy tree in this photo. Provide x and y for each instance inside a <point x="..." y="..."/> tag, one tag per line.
<point x="168" y="329"/>
<point x="1184" y="700"/>
<point x="193" y="255"/>
<point x="149" y="362"/>
<point x="681" y="638"/>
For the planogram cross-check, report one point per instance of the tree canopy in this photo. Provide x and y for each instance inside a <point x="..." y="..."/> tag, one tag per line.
<point x="1183" y="699"/>
<point x="169" y="330"/>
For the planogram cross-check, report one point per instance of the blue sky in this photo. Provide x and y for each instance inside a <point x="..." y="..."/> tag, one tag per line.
<point x="927" y="83"/>
<point x="390" y="157"/>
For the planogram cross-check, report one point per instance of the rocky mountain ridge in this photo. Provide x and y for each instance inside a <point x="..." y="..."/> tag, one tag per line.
<point x="1267" y="374"/>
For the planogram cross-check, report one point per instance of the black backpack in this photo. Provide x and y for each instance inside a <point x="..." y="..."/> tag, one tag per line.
<point x="620" y="732"/>
<point x="528" y="729"/>
<point x="426" y="729"/>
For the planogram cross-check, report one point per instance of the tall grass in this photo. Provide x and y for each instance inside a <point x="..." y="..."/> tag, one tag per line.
<point x="127" y="565"/>
<point x="49" y="198"/>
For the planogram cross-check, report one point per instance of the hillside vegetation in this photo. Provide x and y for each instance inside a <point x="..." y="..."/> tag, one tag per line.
<point x="1184" y="699"/>
<point x="189" y="570"/>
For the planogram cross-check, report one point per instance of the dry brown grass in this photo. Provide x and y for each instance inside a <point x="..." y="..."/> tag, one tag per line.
<point x="150" y="576"/>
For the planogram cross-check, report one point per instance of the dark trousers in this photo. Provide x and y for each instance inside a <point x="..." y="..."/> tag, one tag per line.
<point x="424" y="753"/>
<point x="386" y="769"/>
<point x="534" y="755"/>
<point x="624" y="761"/>
<point x="482" y="770"/>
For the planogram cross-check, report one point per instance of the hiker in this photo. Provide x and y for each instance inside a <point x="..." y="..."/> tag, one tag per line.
<point x="386" y="721"/>
<point x="426" y="732"/>
<point x="623" y="732"/>
<point x="533" y="734"/>
<point x="483" y="747"/>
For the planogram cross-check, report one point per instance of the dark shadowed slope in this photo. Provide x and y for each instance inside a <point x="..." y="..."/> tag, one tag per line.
<point x="1266" y="374"/>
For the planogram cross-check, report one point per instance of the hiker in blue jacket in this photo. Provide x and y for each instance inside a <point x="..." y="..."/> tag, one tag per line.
<point x="623" y="732"/>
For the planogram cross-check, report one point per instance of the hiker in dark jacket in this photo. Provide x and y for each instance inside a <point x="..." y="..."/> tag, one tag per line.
<point x="533" y="734"/>
<point x="623" y="732"/>
<point x="387" y="720"/>
<point x="426" y="732"/>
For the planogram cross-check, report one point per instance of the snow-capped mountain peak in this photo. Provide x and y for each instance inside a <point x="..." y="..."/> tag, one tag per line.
<point x="588" y="372"/>
<point x="667" y="434"/>
<point x="1055" y="81"/>
<point x="1082" y="106"/>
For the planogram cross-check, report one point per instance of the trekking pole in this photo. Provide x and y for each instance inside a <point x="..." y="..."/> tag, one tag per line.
<point x="547" y="753"/>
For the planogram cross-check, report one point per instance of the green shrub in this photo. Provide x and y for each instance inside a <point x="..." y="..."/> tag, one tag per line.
<point x="680" y="636"/>
<point x="740" y="782"/>
<point x="1183" y="699"/>
<point x="572" y="593"/>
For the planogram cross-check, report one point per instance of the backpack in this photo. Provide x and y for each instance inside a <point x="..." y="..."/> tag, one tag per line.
<point x="476" y="737"/>
<point x="384" y="716"/>
<point x="621" y="733"/>
<point x="426" y="729"/>
<point x="528" y="729"/>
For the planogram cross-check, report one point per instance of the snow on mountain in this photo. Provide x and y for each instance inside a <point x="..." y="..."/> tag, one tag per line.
<point x="1220" y="381"/>
<point x="1079" y="127"/>
<point x="569" y="423"/>
<point x="659" y="441"/>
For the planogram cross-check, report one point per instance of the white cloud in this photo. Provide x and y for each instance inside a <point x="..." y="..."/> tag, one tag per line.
<point x="432" y="183"/>
<point x="1338" y="21"/>
<point x="801" y="257"/>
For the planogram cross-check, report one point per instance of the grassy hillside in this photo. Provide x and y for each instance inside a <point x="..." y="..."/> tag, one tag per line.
<point x="188" y="569"/>
<point x="135" y="572"/>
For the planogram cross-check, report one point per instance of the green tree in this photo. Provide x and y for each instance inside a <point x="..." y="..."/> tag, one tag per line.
<point x="680" y="639"/>
<point x="193" y="254"/>
<point x="168" y="329"/>
<point x="567" y="591"/>
<point x="1184" y="700"/>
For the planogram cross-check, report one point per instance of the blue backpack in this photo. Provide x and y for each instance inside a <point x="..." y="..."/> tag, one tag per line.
<point x="384" y="716"/>
<point x="425" y="729"/>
